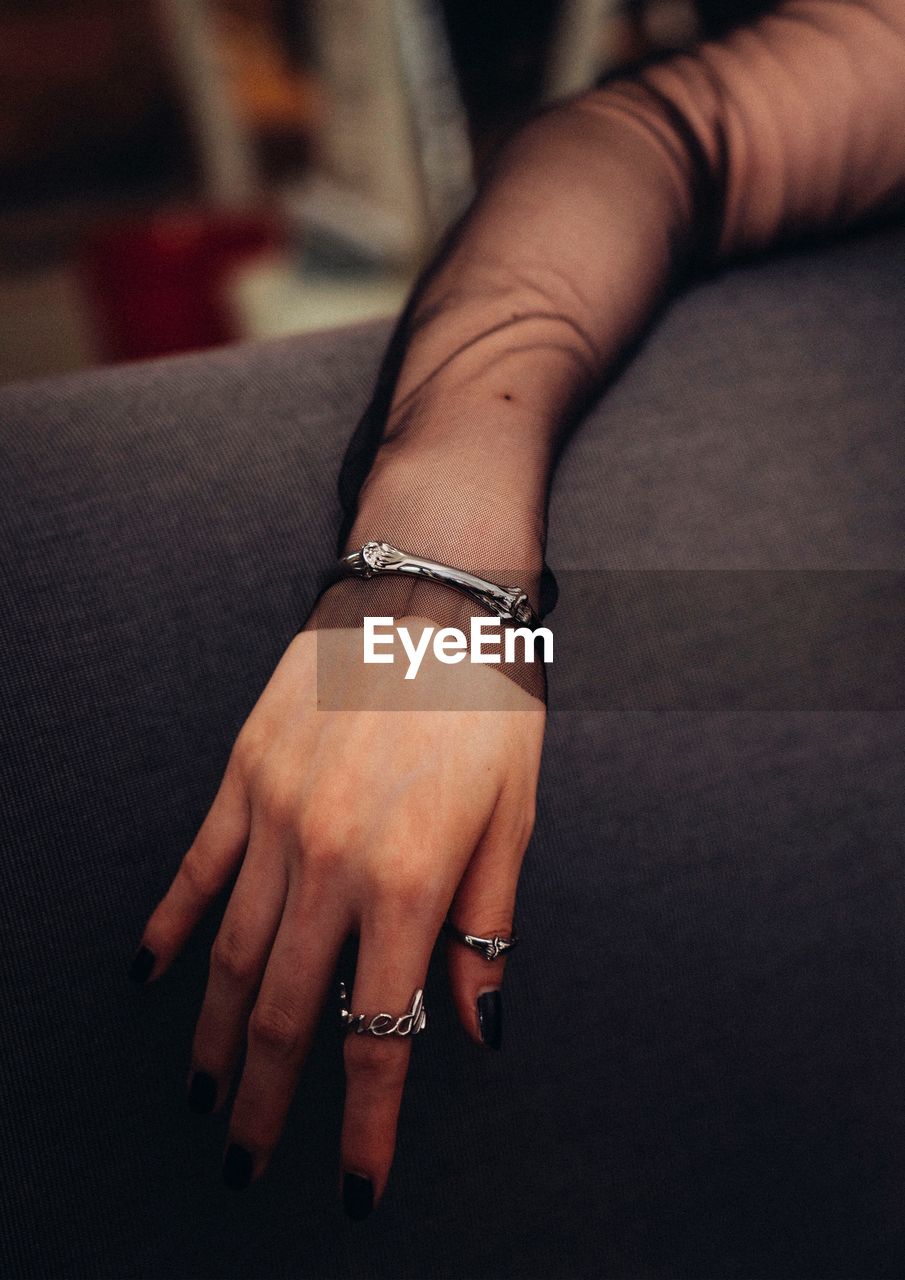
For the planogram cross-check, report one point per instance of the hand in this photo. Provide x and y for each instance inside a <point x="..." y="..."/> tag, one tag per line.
<point x="352" y="819"/>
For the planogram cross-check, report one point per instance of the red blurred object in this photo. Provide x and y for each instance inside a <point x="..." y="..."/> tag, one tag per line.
<point x="160" y="285"/>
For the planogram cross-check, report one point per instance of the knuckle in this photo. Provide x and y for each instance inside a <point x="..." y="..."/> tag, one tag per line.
<point x="413" y="892"/>
<point x="374" y="1062"/>
<point x="199" y="874"/>
<point x="232" y="956"/>
<point x="275" y="1029"/>
<point x="320" y="836"/>
<point x="247" y="752"/>
<point x="418" y="896"/>
<point x="276" y="800"/>
<point x="320" y="866"/>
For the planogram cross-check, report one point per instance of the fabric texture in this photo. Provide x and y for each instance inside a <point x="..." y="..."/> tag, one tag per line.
<point x="705" y="1025"/>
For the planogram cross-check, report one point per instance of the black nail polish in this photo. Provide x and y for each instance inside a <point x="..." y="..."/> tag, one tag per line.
<point x="358" y="1196"/>
<point x="490" y="1019"/>
<point x="142" y="964"/>
<point x="237" y="1167"/>
<point x="202" y="1093"/>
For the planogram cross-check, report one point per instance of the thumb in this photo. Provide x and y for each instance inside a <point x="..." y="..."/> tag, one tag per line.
<point x="483" y="907"/>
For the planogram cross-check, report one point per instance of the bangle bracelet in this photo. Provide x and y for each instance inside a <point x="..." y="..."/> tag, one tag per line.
<point x="510" y="604"/>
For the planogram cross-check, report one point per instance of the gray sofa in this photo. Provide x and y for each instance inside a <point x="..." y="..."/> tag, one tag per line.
<point x="705" y="1042"/>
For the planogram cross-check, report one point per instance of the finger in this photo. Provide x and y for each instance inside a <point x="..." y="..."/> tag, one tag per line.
<point x="203" y="872"/>
<point x="393" y="957"/>
<point x="484" y="906"/>
<point x="238" y="959"/>
<point x="311" y="932"/>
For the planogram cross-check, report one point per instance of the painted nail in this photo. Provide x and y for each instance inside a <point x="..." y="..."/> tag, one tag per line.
<point x="142" y="964"/>
<point x="237" y="1167"/>
<point x="202" y="1093"/>
<point x="358" y="1196"/>
<point x="490" y="1019"/>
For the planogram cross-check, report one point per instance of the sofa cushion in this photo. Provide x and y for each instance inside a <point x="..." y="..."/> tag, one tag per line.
<point x="705" y="1029"/>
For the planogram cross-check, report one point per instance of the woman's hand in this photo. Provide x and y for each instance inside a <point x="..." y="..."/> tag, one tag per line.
<point x="347" y="817"/>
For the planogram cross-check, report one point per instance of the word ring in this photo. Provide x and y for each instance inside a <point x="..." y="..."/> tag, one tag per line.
<point x="384" y="1024"/>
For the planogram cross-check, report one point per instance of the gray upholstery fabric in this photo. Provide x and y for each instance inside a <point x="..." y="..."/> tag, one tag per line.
<point x="705" y="1041"/>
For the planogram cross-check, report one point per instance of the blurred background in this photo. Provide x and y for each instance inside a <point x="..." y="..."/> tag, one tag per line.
<point x="175" y="174"/>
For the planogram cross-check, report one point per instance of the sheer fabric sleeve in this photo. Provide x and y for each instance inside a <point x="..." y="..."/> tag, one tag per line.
<point x="590" y="215"/>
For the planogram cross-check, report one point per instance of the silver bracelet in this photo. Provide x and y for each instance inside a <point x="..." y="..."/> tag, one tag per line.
<point x="510" y="604"/>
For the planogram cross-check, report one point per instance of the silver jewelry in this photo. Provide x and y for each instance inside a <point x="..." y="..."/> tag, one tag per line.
<point x="489" y="948"/>
<point x="384" y="1024"/>
<point x="510" y="604"/>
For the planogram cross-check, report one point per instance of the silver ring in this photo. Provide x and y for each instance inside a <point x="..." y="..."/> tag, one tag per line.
<point x="489" y="948"/>
<point x="384" y="1024"/>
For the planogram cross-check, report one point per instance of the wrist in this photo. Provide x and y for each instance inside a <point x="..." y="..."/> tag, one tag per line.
<point x="437" y="507"/>
<point x="349" y="602"/>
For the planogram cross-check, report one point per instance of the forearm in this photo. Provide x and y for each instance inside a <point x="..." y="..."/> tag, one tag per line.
<point x="552" y="271"/>
<point x="589" y="215"/>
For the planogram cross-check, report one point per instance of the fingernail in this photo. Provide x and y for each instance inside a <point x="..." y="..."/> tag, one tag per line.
<point x="237" y="1167"/>
<point x="490" y="1019"/>
<point x="358" y="1196"/>
<point x="142" y="964"/>
<point x="202" y="1093"/>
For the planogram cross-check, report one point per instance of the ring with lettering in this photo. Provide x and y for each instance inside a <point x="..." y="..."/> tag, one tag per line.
<point x="384" y="1024"/>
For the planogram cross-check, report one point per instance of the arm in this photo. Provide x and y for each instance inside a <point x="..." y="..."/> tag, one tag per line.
<point x="591" y="215"/>
<point x="351" y="820"/>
